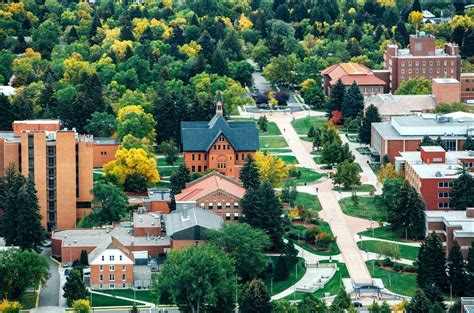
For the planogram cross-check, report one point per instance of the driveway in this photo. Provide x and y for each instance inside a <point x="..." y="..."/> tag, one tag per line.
<point x="50" y="291"/>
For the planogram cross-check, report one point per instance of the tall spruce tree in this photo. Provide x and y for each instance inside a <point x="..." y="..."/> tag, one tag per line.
<point x="6" y="117"/>
<point x="93" y="28"/>
<point x="336" y="97"/>
<point x="178" y="182"/>
<point x="249" y="173"/>
<point x="470" y="270"/>
<point x="74" y="287"/>
<point x="353" y="102"/>
<point x="126" y="28"/>
<point x="408" y="214"/>
<point x="416" y="6"/>
<point x="371" y="116"/>
<point x="262" y="209"/>
<point x="435" y="295"/>
<point x="255" y="298"/>
<point x="431" y="262"/>
<point x="419" y="303"/>
<point x="456" y="273"/>
<point x="401" y="34"/>
<point x="20" y="224"/>
<point x="468" y="144"/>
<point x="463" y="189"/>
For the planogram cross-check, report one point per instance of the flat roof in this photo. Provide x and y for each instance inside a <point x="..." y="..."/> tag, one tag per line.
<point x="148" y="220"/>
<point x="453" y="218"/>
<point x="38" y="121"/>
<point x="8" y="135"/>
<point x="106" y="141"/>
<point x="446" y="80"/>
<point x="433" y="149"/>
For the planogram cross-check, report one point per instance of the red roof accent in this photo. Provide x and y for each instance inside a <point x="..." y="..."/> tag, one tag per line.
<point x="360" y="80"/>
<point x="350" y="72"/>
<point x="209" y="184"/>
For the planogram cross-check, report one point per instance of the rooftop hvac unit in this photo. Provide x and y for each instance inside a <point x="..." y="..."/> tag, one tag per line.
<point x="438" y="174"/>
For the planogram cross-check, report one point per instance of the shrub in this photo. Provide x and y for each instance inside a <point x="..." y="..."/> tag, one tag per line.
<point x="387" y="262"/>
<point x="409" y="269"/>
<point x="7" y="306"/>
<point x="281" y="269"/>
<point x="81" y="306"/>
<point x="323" y="240"/>
<point x="397" y="267"/>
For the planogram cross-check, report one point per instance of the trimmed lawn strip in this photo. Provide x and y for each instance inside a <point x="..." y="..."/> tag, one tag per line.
<point x="361" y="188"/>
<point x="323" y="226"/>
<point x="332" y="286"/>
<point x="272" y="130"/>
<point x="276" y="150"/>
<point x="142" y="295"/>
<point x="382" y="233"/>
<point x="288" y="159"/>
<point x="100" y="300"/>
<point x="273" y="142"/>
<point x="307" y="176"/>
<point x="403" y="284"/>
<point x="28" y="300"/>
<point x="308" y="201"/>
<point x="279" y="286"/>
<point x="166" y="171"/>
<point x="406" y="252"/>
<point x="162" y="162"/>
<point x="302" y="125"/>
<point x="366" y="208"/>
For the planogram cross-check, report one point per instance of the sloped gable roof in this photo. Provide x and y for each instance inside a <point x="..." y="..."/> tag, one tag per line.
<point x="208" y="184"/>
<point x="110" y="243"/>
<point x="178" y="220"/>
<point x="200" y="136"/>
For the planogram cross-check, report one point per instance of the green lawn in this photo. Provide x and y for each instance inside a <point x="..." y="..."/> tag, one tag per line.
<point x="279" y="286"/>
<point x="163" y="184"/>
<point x="361" y="188"/>
<point x="332" y="286"/>
<point x="323" y="226"/>
<point x="402" y="283"/>
<point x="271" y="130"/>
<point x="308" y="201"/>
<point x="273" y="142"/>
<point x="366" y="208"/>
<point x="307" y="176"/>
<point x="317" y="160"/>
<point x="406" y="252"/>
<point x="302" y="125"/>
<point x="381" y="233"/>
<point x="100" y="300"/>
<point x="277" y="150"/>
<point x="166" y="171"/>
<point x="28" y="300"/>
<point x="162" y="161"/>
<point x="288" y="159"/>
<point x="142" y="295"/>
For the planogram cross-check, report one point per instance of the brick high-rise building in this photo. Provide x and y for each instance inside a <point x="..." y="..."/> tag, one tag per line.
<point x="60" y="164"/>
<point x="422" y="59"/>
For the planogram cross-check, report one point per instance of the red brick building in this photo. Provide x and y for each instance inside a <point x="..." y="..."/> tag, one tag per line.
<point x="467" y="86"/>
<point x="404" y="133"/>
<point x="218" y="144"/>
<point x="369" y="82"/>
<point x="111" y="266"/>
<point x="432" y="171"/>
<point x="215" y="192"/>
<point x="421" y="59"/>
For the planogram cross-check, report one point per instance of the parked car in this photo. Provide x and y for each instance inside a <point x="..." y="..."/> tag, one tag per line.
<point x="357" y="304"/>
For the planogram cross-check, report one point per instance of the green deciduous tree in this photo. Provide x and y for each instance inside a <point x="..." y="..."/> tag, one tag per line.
<point x="170" y="150"/>
<point x="262" y="209"/>
<point x="407" y="216"/>
<point x="416" y="86"/>
<point x="245" y="245"/>
<point x="371" y="116"/>
<point x="263" y="123"/>
<point x="353" y="101"/>
<point x="20" y="224"/>
<point x="6" y="118"/>
<point x="281" y="69"/>
<point x="341" y="302"/>
<point x="456" y="273"/>
<point x="101" y="124"/>
<point x="431" y="263"/>
<point x="74" y="287"/>
<point x="110" y="204"/>
<point x="255" y="298"/>
<point x="198" y="279"/>
<point x="249" y="173"/>
<point x="312" y="304"/>
<point x="347" y="174"/>
<point x="20" y="269"/>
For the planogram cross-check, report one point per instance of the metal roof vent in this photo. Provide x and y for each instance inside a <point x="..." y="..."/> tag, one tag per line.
<point x="438" y="174"/>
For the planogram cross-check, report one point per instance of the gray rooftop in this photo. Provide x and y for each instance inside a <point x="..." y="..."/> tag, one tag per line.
<point x="184" y="219"/>
<point x="106" y="141"/>
<point x="399" y="105"/>
<point x="200" y="136"/>
<point x="9" y="136"/>
<point x="453" y="218"/>
<point x="146" y="220"/>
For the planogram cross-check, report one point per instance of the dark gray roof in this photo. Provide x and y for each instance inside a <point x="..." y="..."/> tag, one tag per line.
<point x="199" y="136"/>
<point x="186" y="218"/>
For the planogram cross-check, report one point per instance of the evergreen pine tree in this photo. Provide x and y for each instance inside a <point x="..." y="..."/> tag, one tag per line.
<point x="219" y="62"/>
<point x="416" y="6"/>
<point x="126" y="32"/>
<point x="21" y="45"/>
<point x="419" y="303"/>
<point x="456" y="274"/>
<point x="401" y="34"/>
<point x="249" y="173"/>
<point x="470" y="270"/>
<point x="353" y="102"/>
<point x="84" y="258"/>
<point x="371" y="116"/>
<point x="336" y="97"/>
<point x="21" y="221"/>
<point x="463" y="189"/>
<point x="255" y="298"/>
<point x="6" y="119"/>
<point x="467" y="49"/>
<point x="178" y="182"/>
<point x="458" y="33"/>
<point x="207" y="44"/>
<point x="434" y="294"/>
<point x="262" y="209"/>
<point x="341" y="302"/>
<point x="281" y="271"/>
<point x="72" y="35"/>
<point x="385" y="308"/>
<point x="408" y="216"/>
<point x="74" y="288"/>
<point x="426" y="141"/>
<point x="468" y="144"/>
<point x="431" y="263"/>
<point x="232" y="46"/>
<point x="93" y="28"/>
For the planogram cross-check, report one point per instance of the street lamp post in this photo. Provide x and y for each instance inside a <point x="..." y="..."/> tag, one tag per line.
<point x="271" y="286"/>
<point x="390" y="280"/>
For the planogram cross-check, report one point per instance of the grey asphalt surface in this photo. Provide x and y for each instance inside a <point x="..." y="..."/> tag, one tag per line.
<point x="50" y="291"/>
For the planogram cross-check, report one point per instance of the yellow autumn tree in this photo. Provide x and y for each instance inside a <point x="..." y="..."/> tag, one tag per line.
<point x="10" y="306"/>
<point x="81" y="306"/>
<point x="190" y="49"/>
<point x="415" y="18"/>
<point x="271" y="169"/>
<point x="130" y="162"/>
<point x="120" y="47"/>
<point x="75" y="67"/>
<point x="244" y="23"/>
<point x="387" y="171"/>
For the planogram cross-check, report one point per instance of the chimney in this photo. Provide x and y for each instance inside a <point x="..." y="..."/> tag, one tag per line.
<point x="470" y="212"/>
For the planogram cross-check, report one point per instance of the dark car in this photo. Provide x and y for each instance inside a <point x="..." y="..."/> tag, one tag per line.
<point x="357" y="304"/>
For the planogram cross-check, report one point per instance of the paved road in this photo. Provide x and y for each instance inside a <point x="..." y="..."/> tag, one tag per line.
<point x="50" y="292"/>
<point x="331" y="210"/>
